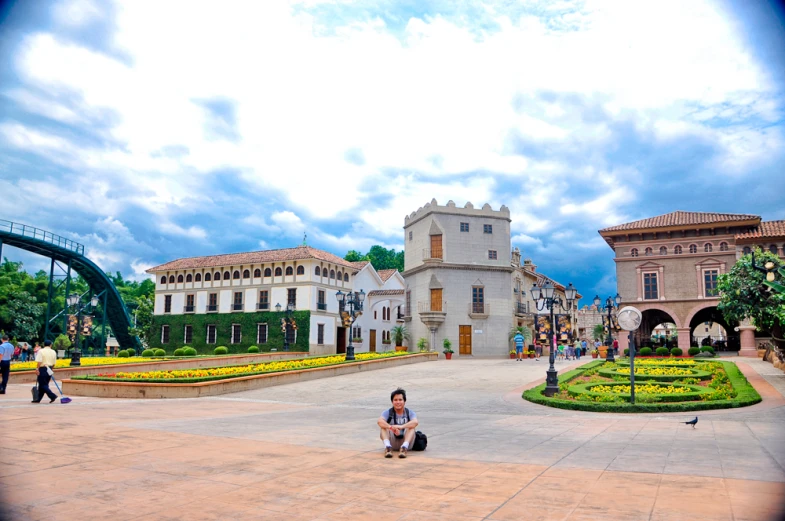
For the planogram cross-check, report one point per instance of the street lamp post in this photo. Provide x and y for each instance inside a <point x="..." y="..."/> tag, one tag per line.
<point x="75" y="302"/>
<point x="354" y="300"/>
<point x="546" y="297"/>
<point x="610" y="304"/>
<point x="287" y="322"/>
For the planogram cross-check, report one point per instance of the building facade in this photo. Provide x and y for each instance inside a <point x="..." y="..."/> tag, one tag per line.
<point x="667" y="266"/>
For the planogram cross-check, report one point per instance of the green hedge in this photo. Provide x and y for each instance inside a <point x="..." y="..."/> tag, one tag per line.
<point x="223" y="330"/>
<point x="693" y="351"/>
<point x="746" y="395"/>
<point x="585" y="389"/>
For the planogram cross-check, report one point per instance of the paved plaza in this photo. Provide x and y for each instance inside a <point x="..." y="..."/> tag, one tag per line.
<point x="311" y="451"/>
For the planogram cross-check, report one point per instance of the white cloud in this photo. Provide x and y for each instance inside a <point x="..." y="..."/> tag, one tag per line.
<point x="194" y="232"/>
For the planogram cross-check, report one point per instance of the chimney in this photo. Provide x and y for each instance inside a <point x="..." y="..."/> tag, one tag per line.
<point x="527" y="263"/>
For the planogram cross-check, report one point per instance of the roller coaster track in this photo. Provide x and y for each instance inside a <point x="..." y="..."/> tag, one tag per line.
<point x="67" y="251"/>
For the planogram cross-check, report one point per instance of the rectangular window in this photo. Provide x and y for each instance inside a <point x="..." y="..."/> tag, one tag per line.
<point x="291" y="296"/>
<point x="320" y="334"/>
<point x="492" y="255"/>
<point x="164" y="334"/>
<point x="291" y="335"/>
<point x="320" y="300"/>
<point x="212" y="302"/>
<point x="238" y="301"/>
<point x="487" y="228"/>
<point x="356" y="332"/>
<point x="710" y="282"/>
<point x="167" y="303"/>
<point x="189" y="303"/>
<point x="261" y="333"/>
<point x="410" y="235"/>
<point x="478" y="300"/>
<point x="650" y="286"/>
<point x="188" y="334"/>
<point x="264" y="300"/>
<point x="211" y="334"/>
<point x="464" y="227"/>
<point x="237" y="334"/>
<point x="408" y="303"/>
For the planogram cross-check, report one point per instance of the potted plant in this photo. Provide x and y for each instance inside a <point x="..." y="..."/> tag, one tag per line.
<point x="399" y="334"/>
<point x="595" y="353"/>
<point x="512" y="353"/>
<point x="531" y="353"/>
<point x="422" y="344"/>
<point x="525" y="332"/>
<point x="357" y="340"/>
<point x="447" y="345"/>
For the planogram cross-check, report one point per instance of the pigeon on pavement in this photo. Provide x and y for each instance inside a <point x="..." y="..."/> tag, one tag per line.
<point x="692" y="422"/>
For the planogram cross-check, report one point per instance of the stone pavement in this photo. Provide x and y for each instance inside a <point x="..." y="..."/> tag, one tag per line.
<point x="310" y="451"/>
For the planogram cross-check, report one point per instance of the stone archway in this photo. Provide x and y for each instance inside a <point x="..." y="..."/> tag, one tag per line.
<point x="708" y="313"/>
<point x="652" y="315"/>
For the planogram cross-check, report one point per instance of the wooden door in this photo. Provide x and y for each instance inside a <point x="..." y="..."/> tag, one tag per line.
<point x="340" y="343"/>
<point x="436" y="299"/>
<point x="372" y="343"/>
<point x="465" y="340"/>
<point x="436" y="246"/>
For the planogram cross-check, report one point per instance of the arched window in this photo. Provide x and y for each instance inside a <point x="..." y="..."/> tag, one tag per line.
<point x="180" y="279"/>
<point x="317" y="271"/>
<point x="207" y="277"/>
<point x="236" y="274"/>
<point x="198" y="277"/>
<point x="707" y="247"/>
<point x="332" y="274"/>
<point x="747" y="250"/>
<point x="246" y="274"/>
<point x="663" y="250"/>
<point x="227" y="275"/>
<point x="189" y="278"/>
<point x="340" y="275"/>
<point x="634" y="252"/>
<point x="217" y="275"/>
<point x="693" y="248"/>
<point x="278" y="271"/>
<point x="723" y="246"/>
<point x="268" y="272"/>
<point x="677" y="250"/>
<point x="773" y="249"/>
<point x="163" y="279"/>
<point x="289" y="270"/>
<point x="257" y="273"/>
<point x="171" y="279"/>
<point x="649" y="252"/>
<point x="346" y="277"/>
<point x="301" y="270"/>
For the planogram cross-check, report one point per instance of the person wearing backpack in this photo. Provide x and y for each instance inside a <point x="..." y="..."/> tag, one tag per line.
<point x="397" y="425"/>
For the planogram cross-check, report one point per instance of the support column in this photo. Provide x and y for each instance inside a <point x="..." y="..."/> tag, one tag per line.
<point x="624" y="342"/>
<point x="49" y="300"/>
<point x="684" y="338"/>
<point x="747" y="338"/>
<point x="433" y="339"/>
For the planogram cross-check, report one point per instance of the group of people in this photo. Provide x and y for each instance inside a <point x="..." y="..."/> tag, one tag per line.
<point x="23" y="352"/>
<point x="564" y="350"/>
<point x="45" y="359"/>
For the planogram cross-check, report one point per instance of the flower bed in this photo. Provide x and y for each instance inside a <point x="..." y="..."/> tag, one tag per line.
<point x="672" y="360"/>
<point x="90" y="362"/>
<point x="660" y="373"/>
<point x="221" y="373"/>
<point x="597" y="387"/>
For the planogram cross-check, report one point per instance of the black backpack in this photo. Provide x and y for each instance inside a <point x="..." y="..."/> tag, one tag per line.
<point x="420" y="439"/>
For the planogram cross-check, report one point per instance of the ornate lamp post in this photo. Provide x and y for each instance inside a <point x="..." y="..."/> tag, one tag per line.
<point x="610" y="304"/>
<point x="286" y="322"/>
<point x="354" y="300"/>
<point x="75" y="302"/>
<point x="546" y="297"/>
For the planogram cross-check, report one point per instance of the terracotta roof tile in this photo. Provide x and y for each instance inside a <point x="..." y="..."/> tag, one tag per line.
<point x="386" y="274"/>
<point x="385" y="292"/>
<point x="680" y="218"/>
<point x="254" y="257"/>
<point x="360" y="264"/>
<point x="765" y="229"/>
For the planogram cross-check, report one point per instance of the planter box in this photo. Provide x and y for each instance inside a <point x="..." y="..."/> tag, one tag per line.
<point x="401" y="348"/>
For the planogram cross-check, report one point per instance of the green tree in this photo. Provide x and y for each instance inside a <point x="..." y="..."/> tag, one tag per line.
<point x="25" y="316"/>
<point x="144" y="320"/>
<point x="525" y="331"/>
<point x="380" y="258"/>
<point x="745" y="294"/>
<point x="598" y="332"/>
<point x="355" y="256"/>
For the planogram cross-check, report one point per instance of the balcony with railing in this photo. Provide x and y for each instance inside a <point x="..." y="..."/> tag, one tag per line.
<point x="479" y="309"/>
<point x="212" y="308"/>
<point x="237" y="306"/>
<point x="521" y="308"/>
<point x="432" y="254"/>
<point x="432" y="306"/>
<point x="321" y="306"/>
<point x="188" y="309"/>
<point x="261" y="306"/>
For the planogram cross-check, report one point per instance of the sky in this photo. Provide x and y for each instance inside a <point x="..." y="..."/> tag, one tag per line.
<point x="154" y="130"/>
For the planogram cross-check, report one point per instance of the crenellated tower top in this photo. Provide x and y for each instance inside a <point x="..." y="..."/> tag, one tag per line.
<point x="451" y="208"/>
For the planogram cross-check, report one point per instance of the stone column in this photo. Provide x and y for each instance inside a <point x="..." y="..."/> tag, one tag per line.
<point x="433" y="339"/>
<point x="684" y="338"/>
<point x="624" y="341"/>
<point x="747" y="333"/>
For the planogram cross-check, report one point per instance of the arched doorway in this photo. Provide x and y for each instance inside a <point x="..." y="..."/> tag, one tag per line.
<point x="709" y="327"/>
<point x="651" y="320"/>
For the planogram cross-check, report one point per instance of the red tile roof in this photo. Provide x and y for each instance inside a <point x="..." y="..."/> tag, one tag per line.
<point x="385" y="292"/>
<point x="386" y="274"/>
<point x="254" y="257"/>
<point x="360" y="264"/>
<point x="773" y="229"/>
<point x="680" y="218"/>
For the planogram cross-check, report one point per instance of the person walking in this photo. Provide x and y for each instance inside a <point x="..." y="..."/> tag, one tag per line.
<point x="615" y="347"/>
<point x="584" y="347"/>
<point x="46" y="359"/>
<point x="519" y="340"/>
<point x="577" y="347"/>
<point x="7" y="352"/>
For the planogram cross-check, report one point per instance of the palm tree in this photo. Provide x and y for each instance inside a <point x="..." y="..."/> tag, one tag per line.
<point x="399" y="334"/>
<point x="523" y="330"/>
<point x="598" y="331"/>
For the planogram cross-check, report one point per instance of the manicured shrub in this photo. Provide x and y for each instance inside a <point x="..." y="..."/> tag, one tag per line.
<point x="626" y="352"/>
<point x="189" y="351"/>
<point x="122" y="354"/>
<point x="707" y="349"/>
<point x="662" y="351"/>
<point x="676" y="351"/>
<point x="130" y="351"/>
<point x="160" y="352"/>
<point x="645" y="351"/>
<point x="179" y="351"/>
<point x="693" y="351"/>
<point x="148" y="352"/>
<point x="253" y="349"/>
<point x="221" y="350"/>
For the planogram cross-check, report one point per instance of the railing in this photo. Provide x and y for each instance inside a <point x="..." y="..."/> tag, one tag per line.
<point x="522" y="308"/>
<point x="188" y="309"/>
<point x="428" y="306"/>
<point x="321" y="306"/>
<point x="479" y="308"/>
<point x="262" y="305"/>
<point x="43" y="235"/>
<point x="237" y="307"/>
<point x="435" y="253"/>
<point x="213" y="308"/>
